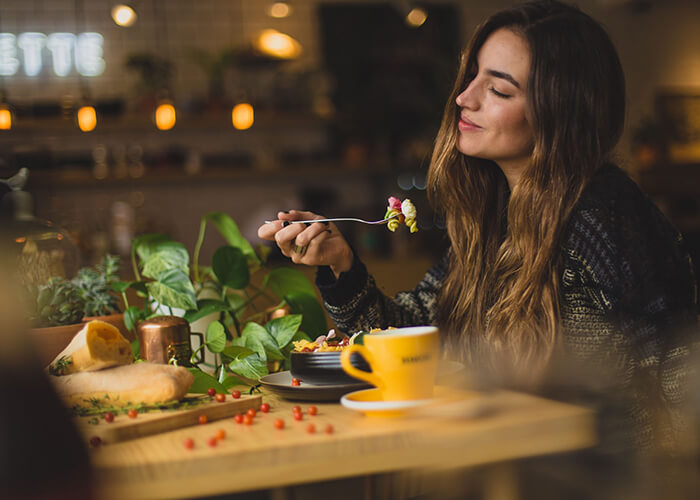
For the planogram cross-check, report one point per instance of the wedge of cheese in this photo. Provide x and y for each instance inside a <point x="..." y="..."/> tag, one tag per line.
<point x="98" y="345"/>
<point x="132" y="384"/>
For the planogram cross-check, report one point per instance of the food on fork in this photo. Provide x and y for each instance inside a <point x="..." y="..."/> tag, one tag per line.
<point x="403" y="212"/>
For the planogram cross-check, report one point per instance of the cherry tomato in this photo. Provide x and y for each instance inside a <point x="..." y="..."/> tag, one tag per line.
<point x="202" y="419"/>
<point x="188" y="443"/>
<point x="296" y="409"/>
<point x="251" y="412"/>
<point x="298" y="415"/>
<point x="329" y="429"/>
<point x="95" y="441"/>
<point x="311" y="428"/>
<point x="247" y="419"/>
<point x="221" y="397"/>
<point x="279" y="423"/>
<point x="132" y="413"/>
<point x="312" y="410"/>
<point x="238" y="418"/>
<point x="109" y="417"/>
<point x="211" y="391"/>
<point x="296" y="382"/>
<point x="236" y="394"/>
<point x="264" y="407"/>
<point x="220" y="434"/>
<point x="212" y="441"/>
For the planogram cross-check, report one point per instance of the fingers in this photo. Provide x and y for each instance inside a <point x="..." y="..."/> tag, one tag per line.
<point x="311" y="253"/>
<point x="310" y="232"/>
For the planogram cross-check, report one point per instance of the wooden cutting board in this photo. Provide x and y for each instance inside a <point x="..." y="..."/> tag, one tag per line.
<point x="124" y="428"/>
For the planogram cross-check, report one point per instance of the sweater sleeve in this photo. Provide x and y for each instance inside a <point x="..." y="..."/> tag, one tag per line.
<point x="354" y="302"/>
<point x="629" y="304"/>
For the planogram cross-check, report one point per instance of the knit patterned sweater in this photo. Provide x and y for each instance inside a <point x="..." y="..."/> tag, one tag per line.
<point x="628" y="300"/>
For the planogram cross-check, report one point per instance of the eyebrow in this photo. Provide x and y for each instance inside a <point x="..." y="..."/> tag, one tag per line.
<point x="504" y="76"/>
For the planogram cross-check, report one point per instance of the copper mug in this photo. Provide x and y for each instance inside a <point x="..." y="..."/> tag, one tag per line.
<point x="164" y="338"/>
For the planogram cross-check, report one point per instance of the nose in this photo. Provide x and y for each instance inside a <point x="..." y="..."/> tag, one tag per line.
<point x="468" y="98"/>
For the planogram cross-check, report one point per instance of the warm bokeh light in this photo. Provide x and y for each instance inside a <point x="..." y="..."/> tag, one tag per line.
<point x="5" y="118"/>
<point x="165" y="116"/>
<point x="123" y="15"/>
<point x="87" y="118"/>
<point x="276" y="44"/>
<point x="242" y="116"/>
<point x="279" y="10"/>
<point x="416" y="17"/>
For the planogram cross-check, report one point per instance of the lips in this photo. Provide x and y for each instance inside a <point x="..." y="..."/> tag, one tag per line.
<point x="466" y="124"/>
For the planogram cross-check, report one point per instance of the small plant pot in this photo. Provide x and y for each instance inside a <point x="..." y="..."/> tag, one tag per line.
<point x="51" y="340"/>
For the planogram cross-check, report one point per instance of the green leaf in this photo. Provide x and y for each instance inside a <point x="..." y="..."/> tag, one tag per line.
<point x="173" y="288"/>
<point x="136" y="348"/>
<point x="229" y="230"/>
<point x="237" y="303"/>
<point x="231" y="267"/>
<point x="252" y="367"/>
<point x="286" y="280"/>
<point x="147" y="244"/>
<point x="257" y="338"/>
<point x="284" y="328"/>
<point x="232" y="381"/>
<point x="215" y="337"/>
<point x="205" y="307"/>
<point x="203" y="381"/>
<point x="236" y="351"/>
<point x="168" y="255"/>
<point x="314" y="322"/>
<point x="132" y="316"/>
<point x="122" y="286"/>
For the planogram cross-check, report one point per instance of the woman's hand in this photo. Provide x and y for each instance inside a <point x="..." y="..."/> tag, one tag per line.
<point x="312" y="244"/>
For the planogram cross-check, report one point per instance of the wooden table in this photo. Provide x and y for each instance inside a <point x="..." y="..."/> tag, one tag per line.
<point x="261" y="457"/>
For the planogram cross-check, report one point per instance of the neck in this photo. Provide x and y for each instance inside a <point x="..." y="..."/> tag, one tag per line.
<point x="512" y="171"/>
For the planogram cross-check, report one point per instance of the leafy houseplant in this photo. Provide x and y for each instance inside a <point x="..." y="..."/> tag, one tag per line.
<point x="239" y="291"/>
<point x="63" y="302"/>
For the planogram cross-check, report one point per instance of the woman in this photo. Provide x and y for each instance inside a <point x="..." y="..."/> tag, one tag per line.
<point x="556" y="256"/>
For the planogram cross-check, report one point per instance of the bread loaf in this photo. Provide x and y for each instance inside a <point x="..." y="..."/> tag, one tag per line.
<point x="96" y="346"/>
<point x="132" y="384"/>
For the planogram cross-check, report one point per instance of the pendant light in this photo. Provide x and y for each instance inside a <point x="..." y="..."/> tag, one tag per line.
<point x="243" y="116"/>
<point x="6" y="114"/>
<point x="165" y="115"/>
<point x="124" y="15"/>
<point x="86" y="118"/>
<point x="279" y="9"/>
<point x="86" y="115"/>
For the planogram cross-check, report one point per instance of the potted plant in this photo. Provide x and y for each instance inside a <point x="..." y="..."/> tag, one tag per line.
<point x="255" y="311"/>
<point x="60" y="307"/>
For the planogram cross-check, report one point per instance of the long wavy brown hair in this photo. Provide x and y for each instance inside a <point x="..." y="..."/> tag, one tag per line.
<point x="500" y="301"/>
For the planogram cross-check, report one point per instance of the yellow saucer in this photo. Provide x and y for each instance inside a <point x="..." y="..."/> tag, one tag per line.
<point x="369" y="402"/>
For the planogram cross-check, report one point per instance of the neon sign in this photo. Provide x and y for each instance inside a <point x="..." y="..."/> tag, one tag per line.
<point x="65" y="49"/>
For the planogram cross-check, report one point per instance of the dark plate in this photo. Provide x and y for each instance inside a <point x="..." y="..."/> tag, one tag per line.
<point x="281" y="384"/>
<point x="324" y="368"/>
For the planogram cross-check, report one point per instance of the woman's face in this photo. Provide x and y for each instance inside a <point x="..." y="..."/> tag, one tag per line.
<point x="492" y="123"/>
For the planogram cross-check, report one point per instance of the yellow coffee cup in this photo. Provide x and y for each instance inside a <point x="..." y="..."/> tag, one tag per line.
<point x="404" y="362"/>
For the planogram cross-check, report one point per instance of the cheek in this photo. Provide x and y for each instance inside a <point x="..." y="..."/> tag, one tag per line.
<point x="516" y="126"/>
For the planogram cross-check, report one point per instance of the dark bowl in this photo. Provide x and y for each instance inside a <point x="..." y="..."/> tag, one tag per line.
<point x="323" y="368"/>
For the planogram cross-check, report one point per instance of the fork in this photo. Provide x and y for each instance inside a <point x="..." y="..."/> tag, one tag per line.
<point x="338" y="219"/>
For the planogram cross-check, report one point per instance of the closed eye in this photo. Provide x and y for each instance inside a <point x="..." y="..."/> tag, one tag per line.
<point x="499" y="94"/>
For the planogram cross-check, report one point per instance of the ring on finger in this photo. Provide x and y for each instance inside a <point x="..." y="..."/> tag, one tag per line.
<point x="299" y="249"/>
